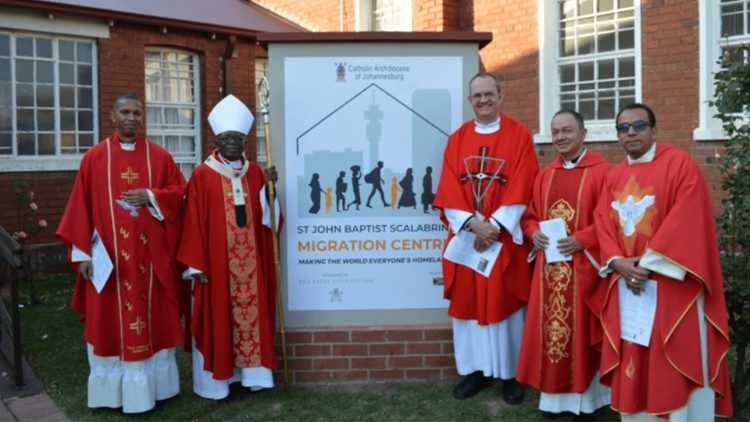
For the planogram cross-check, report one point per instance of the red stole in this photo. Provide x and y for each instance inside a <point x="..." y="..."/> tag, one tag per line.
<point x="494" y="298"/>
<point x="557" y="353"/>
<point x="679" y="226"/>
<point x="137" y="312"/>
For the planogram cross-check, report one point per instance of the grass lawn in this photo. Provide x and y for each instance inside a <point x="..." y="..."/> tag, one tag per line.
<point x="53" y="345"/>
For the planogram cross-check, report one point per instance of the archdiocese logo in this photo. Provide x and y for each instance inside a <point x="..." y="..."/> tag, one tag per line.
<point x="340" y="72"/>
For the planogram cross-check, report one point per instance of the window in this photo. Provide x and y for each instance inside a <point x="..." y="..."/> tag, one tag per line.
<point x="261" y="67"/>
<point x="173" y="105"/>
<point x="383" y="15"/>
<point x="48" y="105"/>
<point x="589" y="61"/>
<point x="723" y="25"/>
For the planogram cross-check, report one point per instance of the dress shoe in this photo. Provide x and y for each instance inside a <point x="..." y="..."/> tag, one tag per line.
<point x="513" y="392"/>
<point x="471" y="385"/>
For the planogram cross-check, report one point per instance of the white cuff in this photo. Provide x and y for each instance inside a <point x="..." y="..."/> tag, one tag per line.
<point x="456" y="218"/>
<point x="266" y="220"/>
<point x="190" y="272"/>
<point x="153" y="206"/>
<point x="656" y="263"/>
<point x="510" y="217"/>
<point x="77" y="255"/>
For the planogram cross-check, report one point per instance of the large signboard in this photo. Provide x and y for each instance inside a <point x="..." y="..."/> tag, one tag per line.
<point x="364" y="143"/>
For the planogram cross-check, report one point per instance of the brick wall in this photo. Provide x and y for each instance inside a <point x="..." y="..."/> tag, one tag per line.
<point x="121" y="69"/>
<point x="359" y="354"/>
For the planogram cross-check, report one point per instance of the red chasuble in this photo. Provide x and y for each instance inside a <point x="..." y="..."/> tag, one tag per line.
<point x="137" y="312"/>
<point x="473" y="296"/>
<point x="558" y="353"/>
<point x="679" y="226"/>
<point x="234" y="313"/>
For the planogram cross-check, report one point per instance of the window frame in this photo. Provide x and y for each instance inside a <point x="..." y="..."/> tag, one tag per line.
<point x="549" y="76"/>
<point x="710" y="40"/>
<point x="197" y="131"/>
<point x="363" y="16"/>
<point x="58" y="161"/>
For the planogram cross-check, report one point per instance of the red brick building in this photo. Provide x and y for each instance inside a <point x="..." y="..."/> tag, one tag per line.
<point x="591" y="55"/>
<point x="64" y="62"/>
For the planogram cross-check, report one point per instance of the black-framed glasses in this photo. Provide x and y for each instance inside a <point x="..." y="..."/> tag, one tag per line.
<point x="638" y="125"/>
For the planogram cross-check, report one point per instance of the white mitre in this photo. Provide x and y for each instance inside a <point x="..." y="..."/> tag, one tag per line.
<point x="230" y="114"/>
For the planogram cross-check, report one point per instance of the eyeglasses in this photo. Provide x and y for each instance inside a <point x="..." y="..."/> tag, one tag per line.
<point x="638" y="125"/>
<point x="480" y="95"/>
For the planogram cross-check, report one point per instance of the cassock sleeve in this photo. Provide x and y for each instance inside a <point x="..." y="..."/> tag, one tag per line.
<point x="690" y="219"/>
<point x="76" y="225"/>
<point x="193" y="245"/>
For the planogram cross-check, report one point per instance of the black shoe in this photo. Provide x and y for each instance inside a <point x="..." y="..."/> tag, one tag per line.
<point x="471" y="385"/>
<point x="513" y="392"/>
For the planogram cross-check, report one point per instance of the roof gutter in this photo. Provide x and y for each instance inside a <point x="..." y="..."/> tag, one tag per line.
<point x="131" y="17"/>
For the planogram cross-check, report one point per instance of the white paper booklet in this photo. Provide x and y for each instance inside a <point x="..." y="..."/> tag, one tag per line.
<point x="555" y="230"/>
<point x="637" y="312"/>
<point x="100" y="262"/>
<point x="461" y="251"/>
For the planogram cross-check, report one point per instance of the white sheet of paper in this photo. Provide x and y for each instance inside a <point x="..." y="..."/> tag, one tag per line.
<point x="461" y="251"/>
<point x="637" y="312"/>
<point x="100" y="262"/>
<point x="555" y="230"/>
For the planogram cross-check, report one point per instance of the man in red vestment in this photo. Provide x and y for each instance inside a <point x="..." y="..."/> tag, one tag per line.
<point x="558" y="356"/>
<point x="227" y="243"/>
<point x="488" y="173"/>
<point x="657" y="236"/>
<point x="125" y="208"/>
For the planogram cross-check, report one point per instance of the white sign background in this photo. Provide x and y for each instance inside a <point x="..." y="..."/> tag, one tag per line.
<point x="347" y="111"/>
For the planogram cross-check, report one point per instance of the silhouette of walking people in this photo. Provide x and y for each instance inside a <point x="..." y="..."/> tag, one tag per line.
<point x="427" y="195"/>
<point x="340" y="190"/>
<point x="376" y="181"/>
<point x="408" y="197"/>
<point x="315" y="192"/>
<point x="356" y="175"/>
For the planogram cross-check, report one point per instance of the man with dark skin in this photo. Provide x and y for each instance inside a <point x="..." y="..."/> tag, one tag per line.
<point x="227" y="245"/>
<point x="656" y="233"/>
<point x="128" y="197"/>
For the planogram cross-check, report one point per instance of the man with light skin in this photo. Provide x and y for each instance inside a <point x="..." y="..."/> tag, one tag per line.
<point x="560" y="349"/>
<point x="128" y="198"/>
<point x="485" y="185"/>
<point x="656" y="232"/>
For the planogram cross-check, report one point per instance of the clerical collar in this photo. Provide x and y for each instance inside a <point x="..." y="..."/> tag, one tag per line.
<point x="127" y="146"/>
<point x="574" y="162"/>
<point x="645" y="158"/>
<point x="486" y="129"/>
<point x="235" y="164"/>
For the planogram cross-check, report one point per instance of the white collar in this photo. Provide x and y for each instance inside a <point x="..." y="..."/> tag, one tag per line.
<point x="574" y="162"/>
<point x="127" y="146"/>
<point x="235" y="176"/>
<point x="486" y="129"/>
<point x="645" y="158"/>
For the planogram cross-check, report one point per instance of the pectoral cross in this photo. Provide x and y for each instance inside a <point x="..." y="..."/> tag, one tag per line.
<point x="129" y="175"/>
<point x="478" y="178"/>
<point x="138" y="325"/>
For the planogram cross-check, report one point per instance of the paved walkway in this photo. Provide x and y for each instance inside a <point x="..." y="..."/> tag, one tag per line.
<point x="39" y="407"/>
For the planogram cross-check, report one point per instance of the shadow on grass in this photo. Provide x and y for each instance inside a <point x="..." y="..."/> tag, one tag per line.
<point x="53" y="344"/>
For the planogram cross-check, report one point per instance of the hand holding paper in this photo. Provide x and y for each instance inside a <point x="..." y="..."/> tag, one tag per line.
<point x="461" y="251"/>
<point x="555" y="230"/>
